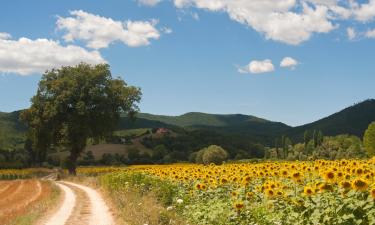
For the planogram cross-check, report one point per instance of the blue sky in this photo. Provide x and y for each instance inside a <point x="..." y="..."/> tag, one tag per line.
<point x="213" y="56"/>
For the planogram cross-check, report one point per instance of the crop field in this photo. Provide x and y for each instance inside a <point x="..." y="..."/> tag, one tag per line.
<point x="17" y="196"/>
<point x="313" y="192"/>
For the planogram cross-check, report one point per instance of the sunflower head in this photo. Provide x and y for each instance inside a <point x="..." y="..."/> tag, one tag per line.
<point x="239" y="206"/>
<point x="329" y="176"/>
<point x="325" y="187"/>
<point x="308" y="191"/>
<point x="372" y="192"/>
<point x="345" y="184"/>
<point x="360" y="184"/>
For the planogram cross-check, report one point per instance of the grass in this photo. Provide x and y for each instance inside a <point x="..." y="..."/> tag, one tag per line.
<point x="136" y="208"/>
<point x="131" y="132"/>
<point x="36" y="211"/>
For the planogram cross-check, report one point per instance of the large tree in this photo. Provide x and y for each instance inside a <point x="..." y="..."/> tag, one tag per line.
<point x="369" y="139"/>
<point x="75" y="103"/>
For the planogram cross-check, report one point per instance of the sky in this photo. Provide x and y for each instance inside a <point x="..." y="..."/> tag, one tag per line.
<point x="293" y="61"/>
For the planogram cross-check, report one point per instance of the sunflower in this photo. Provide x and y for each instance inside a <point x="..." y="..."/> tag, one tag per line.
<point x="329" y="176"/>
<point x="239" y="206"/>
<point x="359" y="184"/>
<point x="270" y="193"/>
<point x="345" y="184"/>
<point x="249" y="195"/>
<point x="325" y="187"/>
<point x="373" y="193"/>
<point x="308" y="191"/>
<point x="296" y="176"/>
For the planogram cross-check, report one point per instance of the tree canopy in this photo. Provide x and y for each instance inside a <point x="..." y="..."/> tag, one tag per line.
<point x="74" y="103"/>
<point x="369" y="139"/>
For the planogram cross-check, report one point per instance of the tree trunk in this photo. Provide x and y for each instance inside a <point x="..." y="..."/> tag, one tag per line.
<point x="72" y="162"/>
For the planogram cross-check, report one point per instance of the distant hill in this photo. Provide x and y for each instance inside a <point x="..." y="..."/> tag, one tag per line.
<point x="11" y="130"/>
<point x="352" y="120"/>
<point x="196" y="120"/>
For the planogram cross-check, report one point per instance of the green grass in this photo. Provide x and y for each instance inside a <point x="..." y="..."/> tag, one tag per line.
<point x="131" y="132"/>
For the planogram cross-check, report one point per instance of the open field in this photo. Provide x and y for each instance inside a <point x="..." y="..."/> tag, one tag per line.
<point x="17" y="197"/>
<point x="311" y="192"/>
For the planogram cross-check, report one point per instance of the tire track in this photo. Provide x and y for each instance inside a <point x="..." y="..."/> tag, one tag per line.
<point x="11" y="193"/>
<point x="100" y="213"/>
<point x="4" y="185"/>
<point x="82" y="209"/>
<point x="66" y="208"/>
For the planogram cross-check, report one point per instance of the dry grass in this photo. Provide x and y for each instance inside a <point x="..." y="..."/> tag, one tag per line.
<point x="31" y="211"/>
<point x="138" y="209"/>
<point x="130" y="207"/>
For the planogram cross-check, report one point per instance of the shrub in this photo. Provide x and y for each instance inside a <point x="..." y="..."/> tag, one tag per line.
<point x="214" y="154"/>
<point x="369" y="139"/>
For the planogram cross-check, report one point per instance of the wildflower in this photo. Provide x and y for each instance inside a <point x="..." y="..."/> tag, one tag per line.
<point x="359" y="185"/>
<point x="325" y="187"/>
<point x="308" y="191"/>
<point x="329" y="176"/>
<point x="239" y="206"/>
<point x="345" y="184"/>
<point x="373" y="193"/>
<point x="180" y="201"/>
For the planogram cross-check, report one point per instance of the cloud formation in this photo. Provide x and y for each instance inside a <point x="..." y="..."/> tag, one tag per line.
<point x="257" y="67"/>
<point x="351" y="33"/>
<point x="149" y="2"/>
<point x="370" y="33"/>
<point x="25" y="56"/>
<point x="288" y="21"/>
<point x="289" y="62"/>
<point x="5" y="36"/>
<point x="98" y="32"/>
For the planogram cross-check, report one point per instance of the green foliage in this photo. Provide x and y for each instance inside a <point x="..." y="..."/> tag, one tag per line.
<point x="165" y="191"/>
<point x="212" y="154"/>
<point x="353" y="120"/>
<point x="337" y="147"/>
<point x="369" y="139"/>
<point x="73" y="104"/>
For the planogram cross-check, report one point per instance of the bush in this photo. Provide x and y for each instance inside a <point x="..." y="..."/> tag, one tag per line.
<point x="369" y="139"/>
<point x="212" y="154"/>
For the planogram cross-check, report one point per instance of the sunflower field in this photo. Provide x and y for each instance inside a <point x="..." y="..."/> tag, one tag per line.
<point x="311" y="192"/>
<point x="10" y="174"/>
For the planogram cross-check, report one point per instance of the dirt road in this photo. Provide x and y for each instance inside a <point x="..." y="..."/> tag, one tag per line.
<point x="81" y="205"/>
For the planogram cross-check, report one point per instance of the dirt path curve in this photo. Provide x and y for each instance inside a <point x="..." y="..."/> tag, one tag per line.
<point x="81" y="202"/>
<point x="66" y="208"/>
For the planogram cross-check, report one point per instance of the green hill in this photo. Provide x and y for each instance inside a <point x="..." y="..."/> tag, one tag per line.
<point x="352" y="120"/>
<point x="11" y="130"/>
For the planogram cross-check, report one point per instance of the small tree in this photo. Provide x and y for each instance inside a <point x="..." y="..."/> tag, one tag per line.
<point x="76" y="103"/>
<point x="214" y="154"/>
<point x="369" y="139"/>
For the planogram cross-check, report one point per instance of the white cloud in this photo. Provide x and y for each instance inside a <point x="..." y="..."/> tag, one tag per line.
<point x="25" y="56"/>
<point x="288" y="21"/>
<point x="257" y="67"/>
<point x="370" y="33"/>
<point x="351" y="33"/>
<point x="149" y="2"/>
<point x="364" y="12"/>
<point x="195" y="15"/>
<point x="4" y="36"/>
<point x="275" y="19"/>
<point x="98" y="32"/>
<point x="289" y="62"/>
<point x="166" y="30"/>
